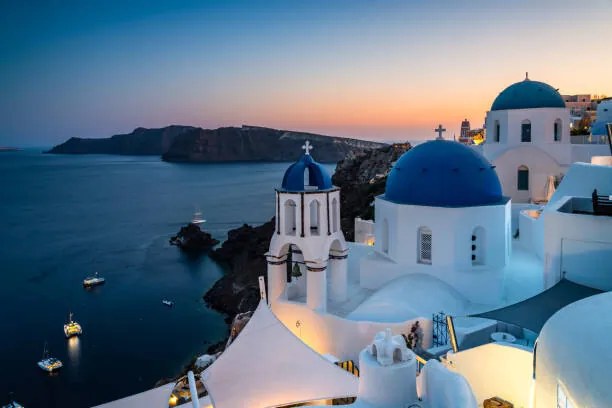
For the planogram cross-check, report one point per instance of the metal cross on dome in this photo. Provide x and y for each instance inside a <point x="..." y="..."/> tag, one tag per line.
<point x="307" y="147"/>
<point x="439" y="131"/>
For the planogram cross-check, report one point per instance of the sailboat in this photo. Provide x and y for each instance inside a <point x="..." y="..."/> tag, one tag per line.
<point x="49" y="364"/>
<point x="12" y="403"/>
<point x="91" y="281"/>
<point x="72" y="328"/>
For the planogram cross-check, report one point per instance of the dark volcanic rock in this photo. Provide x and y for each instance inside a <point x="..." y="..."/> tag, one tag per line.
<point x="192" y="239"/>
<point x="251" y="143"/>
<point x="361" y="177"/>
<point x="243" y="255"/>
<point x="141" y="141"/>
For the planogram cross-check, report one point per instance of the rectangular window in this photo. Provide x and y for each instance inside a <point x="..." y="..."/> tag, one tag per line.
<point x="526" y="132"/>
<point x="556" y="132"/>
<point x="425" y="247"/>
<point x="523" y="180"/>
<point x="497" y="132"/>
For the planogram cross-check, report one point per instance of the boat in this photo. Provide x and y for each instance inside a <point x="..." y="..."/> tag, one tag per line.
<point x="197" y="218"/>
<point x="72" y="328"/>
<point x="49" y="364"/>
<point x="12" y="403"/>
<point x="91" y="281"/>
<point x="168" y="303"/>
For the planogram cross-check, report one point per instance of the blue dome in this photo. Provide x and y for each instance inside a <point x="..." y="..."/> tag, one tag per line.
<point x="317" y="175"/>
<point x="442" y="173"/>
<point x="528" y="94"/>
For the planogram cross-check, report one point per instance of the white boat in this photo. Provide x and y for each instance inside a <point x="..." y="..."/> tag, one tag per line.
<point x="197" y="218"/>
<point x="93" y="281"/>
<point x="72" y="328"/>
<point x="49" y="364"/>
<point x="168" y="303"/>
<point x="12" y="403"/>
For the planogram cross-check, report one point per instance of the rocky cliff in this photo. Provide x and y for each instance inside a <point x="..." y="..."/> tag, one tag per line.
<point x="252" y="143"/>
<point x="361" y="177"/>
<point x="141" y="141"/>
<point x="190" y="144"/>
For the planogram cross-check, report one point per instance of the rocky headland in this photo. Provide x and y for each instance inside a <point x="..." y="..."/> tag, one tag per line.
<point x="192" y="239"/>
<point x="197" y="145"/>
<point x="361" y="177"/>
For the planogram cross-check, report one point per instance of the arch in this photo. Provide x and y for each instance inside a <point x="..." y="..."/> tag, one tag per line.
<point x="315" y="217"/>
<point x="557" y="130"/>
<point x="295" y="286"/>
<point x="526" y="131"/>
<point x="397" y="355"/>
<point x="424" y="246"/>
<point x="496" y="131"/>
<point x="384" y="246"/>
<point x="290" y="217"/>
<point x="374" y="350"/>
<point x="478" y="246"/>
<point x="522" y="178"/>
<point x="335" y="212"/>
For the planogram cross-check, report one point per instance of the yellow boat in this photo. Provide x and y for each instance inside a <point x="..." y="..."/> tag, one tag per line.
<point x="72" y="328"/>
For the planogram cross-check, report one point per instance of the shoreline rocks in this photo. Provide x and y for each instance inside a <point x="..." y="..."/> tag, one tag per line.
<point x="193" y="240"/>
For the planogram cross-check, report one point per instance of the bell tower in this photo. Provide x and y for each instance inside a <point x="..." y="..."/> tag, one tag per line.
<point x="307" y="240"/>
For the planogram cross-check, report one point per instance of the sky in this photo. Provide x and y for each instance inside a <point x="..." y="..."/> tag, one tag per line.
<point x="382" y="70"/>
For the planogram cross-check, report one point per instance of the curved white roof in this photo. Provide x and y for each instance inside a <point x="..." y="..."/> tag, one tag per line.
<point x="267" y="365"/>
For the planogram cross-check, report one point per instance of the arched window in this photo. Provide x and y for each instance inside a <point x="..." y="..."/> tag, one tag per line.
<point x="334" y="215"/>
<point x="523" y="178"/>
<point x="478" y="246"/>
<point x="526" y="131"/>
<point x="496" y="132"/>
<point x="557" y="130"/>
<point x="424" y="245"/>
<point x="385" y="237"/>
<point x="290" y="216"/>
<point x="315" y="217"/>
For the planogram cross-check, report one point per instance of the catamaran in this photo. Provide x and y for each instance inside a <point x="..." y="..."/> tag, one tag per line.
<point x="49" y="364"/>
<point x="91" y="281"/>
<point x="72" y="328"/>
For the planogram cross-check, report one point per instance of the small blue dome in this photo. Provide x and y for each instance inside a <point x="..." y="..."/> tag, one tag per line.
<point x="317" y="175"/>
<point x="528" y="94"/>
<point x="442" y="173"/>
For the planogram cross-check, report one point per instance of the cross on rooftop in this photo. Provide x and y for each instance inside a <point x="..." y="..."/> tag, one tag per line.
<point x="439" y="130"/>
<point x="307" y="147"/>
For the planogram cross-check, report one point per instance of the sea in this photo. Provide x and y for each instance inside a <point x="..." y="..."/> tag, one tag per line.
<point x="65" y="217"/>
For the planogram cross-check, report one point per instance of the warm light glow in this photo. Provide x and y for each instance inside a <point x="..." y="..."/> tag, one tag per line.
<point x="371" y="241"/>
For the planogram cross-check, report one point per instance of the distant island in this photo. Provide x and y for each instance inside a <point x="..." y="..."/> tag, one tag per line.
<point x="196" y="145"/>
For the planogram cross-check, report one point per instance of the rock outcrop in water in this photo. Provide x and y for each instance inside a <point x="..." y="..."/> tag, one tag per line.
<point x="197" y="145"/>
<point x="193" y="240"/>
<point x="362" y="177"/>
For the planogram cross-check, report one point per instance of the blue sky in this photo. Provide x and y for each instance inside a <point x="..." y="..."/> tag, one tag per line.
<point x="370" y="69"/>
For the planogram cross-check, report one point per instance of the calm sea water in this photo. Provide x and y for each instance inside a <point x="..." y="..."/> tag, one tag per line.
<point x="63" y="218"/>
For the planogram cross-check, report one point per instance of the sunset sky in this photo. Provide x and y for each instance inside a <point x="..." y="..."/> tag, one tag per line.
<point x="367" y="69"/>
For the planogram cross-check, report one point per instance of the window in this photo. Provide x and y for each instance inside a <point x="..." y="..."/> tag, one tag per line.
<point x="526" y="132"/>
<point x="478" y="246"/>
<point x="497" y="131"/>
<point x="557" y="131"/>
<point x="334" y="215"/>
<point x="290" y="213"/>
<point x="425" y="245"/>
<point x="562" y="400"/>
<point x="315" y="213"/>
<point x="385" y="236"/>
<point x="523" y="178"/>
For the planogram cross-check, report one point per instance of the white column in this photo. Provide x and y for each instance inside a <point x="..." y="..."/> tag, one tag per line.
<point x="277" y="280"/>
<point x="316" y="290"/>
<point x="338" y="270"/>
<point x="193" y="391"/>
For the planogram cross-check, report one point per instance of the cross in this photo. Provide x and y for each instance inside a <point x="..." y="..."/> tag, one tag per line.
<point x="439" y="130"/>
<point x="307" y="147"/>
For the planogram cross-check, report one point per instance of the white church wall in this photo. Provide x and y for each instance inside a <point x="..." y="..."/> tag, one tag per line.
<point x="451" y="262"/>
<point x="343" y="338"/>
<point x="577" y="246"/>
<point x="496" y="369"/>
<point x="585" y="152"/>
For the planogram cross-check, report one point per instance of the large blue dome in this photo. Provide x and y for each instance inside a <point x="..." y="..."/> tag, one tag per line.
<point x="442" y="173"/>
<point x="528" y="94"/>
<point x="318" y="177"/>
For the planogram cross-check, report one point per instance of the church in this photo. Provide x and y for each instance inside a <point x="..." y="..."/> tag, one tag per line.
<point x="479" y="289"/>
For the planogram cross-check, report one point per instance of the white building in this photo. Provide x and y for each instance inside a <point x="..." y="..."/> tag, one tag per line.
<point x="528" y="140"/>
